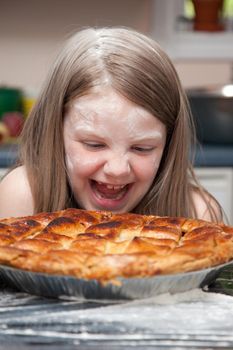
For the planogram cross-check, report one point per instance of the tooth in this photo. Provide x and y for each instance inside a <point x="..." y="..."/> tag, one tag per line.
<point x="121" y="186"/>
<point x="111" y="187"/>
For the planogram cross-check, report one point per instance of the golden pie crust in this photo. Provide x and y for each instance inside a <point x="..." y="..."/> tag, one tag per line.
<point x="105" y="246"/>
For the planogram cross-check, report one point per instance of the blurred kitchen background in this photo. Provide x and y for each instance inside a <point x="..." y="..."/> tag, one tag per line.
<point x="31" y="34"/>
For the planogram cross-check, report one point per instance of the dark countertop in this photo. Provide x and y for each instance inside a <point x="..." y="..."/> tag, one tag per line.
<point x="206" y="155"/>
<point x="214" y="156"/>
<point x="8" y="155"/>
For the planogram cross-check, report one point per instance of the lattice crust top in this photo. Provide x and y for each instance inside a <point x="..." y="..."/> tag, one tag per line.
<point x="104" y="246"/>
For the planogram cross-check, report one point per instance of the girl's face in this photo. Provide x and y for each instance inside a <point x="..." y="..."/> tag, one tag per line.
<point x="113" y="150"/>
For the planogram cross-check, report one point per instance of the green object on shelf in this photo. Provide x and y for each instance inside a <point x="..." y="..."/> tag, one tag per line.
<point x="224" y="281"/>
<point x="10" y="100"/>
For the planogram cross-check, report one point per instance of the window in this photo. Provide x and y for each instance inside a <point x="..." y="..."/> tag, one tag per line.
<point x="173" y="29"/>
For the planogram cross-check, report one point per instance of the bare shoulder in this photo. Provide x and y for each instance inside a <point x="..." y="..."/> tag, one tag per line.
<point x="15" y="194"/>
<point x="205" y="204"/>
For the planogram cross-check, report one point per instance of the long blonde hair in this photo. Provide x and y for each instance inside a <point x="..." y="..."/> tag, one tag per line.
<point x="136" y="67"/>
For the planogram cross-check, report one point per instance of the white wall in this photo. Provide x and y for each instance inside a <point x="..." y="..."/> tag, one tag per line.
<point x="203" y="73"/>
<point x="31" y="31"/>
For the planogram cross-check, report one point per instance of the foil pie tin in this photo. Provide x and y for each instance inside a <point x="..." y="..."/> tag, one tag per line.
<point x="57" y="286"/>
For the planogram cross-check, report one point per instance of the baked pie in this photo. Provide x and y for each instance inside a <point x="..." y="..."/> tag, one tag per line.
<point x="104" y="246"/>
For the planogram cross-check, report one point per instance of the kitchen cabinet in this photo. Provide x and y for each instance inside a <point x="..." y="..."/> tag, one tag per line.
<point x="219" y="182"/>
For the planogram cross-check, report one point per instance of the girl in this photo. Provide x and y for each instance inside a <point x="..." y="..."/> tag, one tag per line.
<point x="111" y="130"/>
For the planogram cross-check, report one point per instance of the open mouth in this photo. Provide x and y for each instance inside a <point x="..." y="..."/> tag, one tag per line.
<point x="109" y="191"/>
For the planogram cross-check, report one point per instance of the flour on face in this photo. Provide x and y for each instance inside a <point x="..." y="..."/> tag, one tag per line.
<point x="113" y="150"/>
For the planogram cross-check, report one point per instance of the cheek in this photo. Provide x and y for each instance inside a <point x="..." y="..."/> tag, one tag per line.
<point x="79" y="162"/>
<point x="147" y="168"/>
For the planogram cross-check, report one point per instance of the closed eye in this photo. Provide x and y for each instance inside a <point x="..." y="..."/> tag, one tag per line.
<point x="143" y="149"/>
<point x="94" y="145"/>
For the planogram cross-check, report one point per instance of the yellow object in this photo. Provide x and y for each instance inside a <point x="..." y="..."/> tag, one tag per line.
<point x="4" y="132"/>
<point x="28" y="103"/>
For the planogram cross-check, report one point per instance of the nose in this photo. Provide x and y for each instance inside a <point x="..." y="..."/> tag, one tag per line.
<point x="117" y="166"/>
